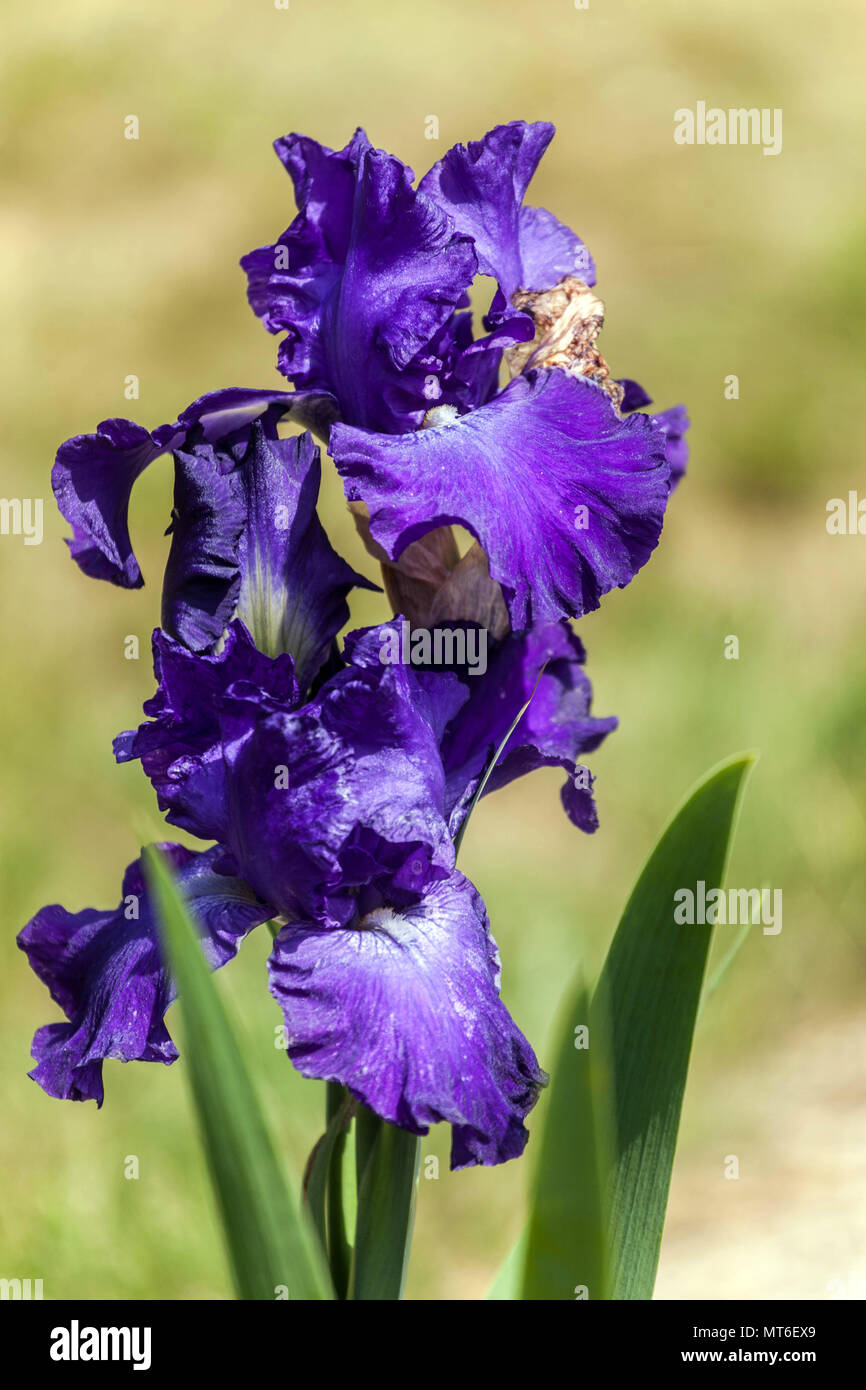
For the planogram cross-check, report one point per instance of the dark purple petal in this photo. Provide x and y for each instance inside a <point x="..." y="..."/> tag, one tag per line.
<point x="482" y="186"/>
<point x="565" y="497"/>
<point x="246" y="538"/>
<point x="634" y="396"/>
<point x="345" y="792"/>
<point x="436" y="695"/>
<point x="452" y="369"/>
<point x="362" y="280"/>
<point x="293" y="583"/>
<point x="673" y="424"/>
<point x="288" y="282"/>
<point x="93" y="474"/>
<point x="105" y="971"/>
<point x="181" y="749"/>
<point x="92" y="478"/>
<point x="404" y="1009"/>
<point x="202" y="579"/>
<point x="226" y="414"/>
<point x="555" y="730"/>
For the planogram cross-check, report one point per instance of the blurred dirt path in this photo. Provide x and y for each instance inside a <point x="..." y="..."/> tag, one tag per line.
<point x="793" y="1224"/>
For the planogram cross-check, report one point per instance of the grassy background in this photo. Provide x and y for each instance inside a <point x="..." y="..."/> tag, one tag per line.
<point x="120" y="257"/>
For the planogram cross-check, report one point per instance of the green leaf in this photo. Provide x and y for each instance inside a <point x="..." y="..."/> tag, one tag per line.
<point x="649" y="990"/>
<point x="388" y="1160"/>
<point x="509" y="1279"/>
<point x="722" y="969"/>
<point x="338" y="1101"/>
<point x="565" y="1248"/>
<point x="324" y="1163"/>
<point x="367" y="1127"/>
<point x="270" y="1243"/>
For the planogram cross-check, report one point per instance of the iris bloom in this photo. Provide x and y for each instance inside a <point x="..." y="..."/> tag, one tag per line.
<point x="564" y="492"/>
<point x="329" y="784"/>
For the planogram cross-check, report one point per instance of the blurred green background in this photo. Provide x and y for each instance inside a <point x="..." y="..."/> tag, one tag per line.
<point x="120" y="257"/>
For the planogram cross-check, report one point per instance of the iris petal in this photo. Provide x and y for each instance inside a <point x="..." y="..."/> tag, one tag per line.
<point x="180" y="746"/>
<point x="366" y="275"/>
<point x="94" y="474"/>
<point x="565" y="496"/>
<point x="347" y="791"/>
<point x="246" y="538"/>
<point x="482" y="186"/>
<point x="673" y="423"/>
<point x="105" y="970"/>
<point x="545" y="667"/>
<point x="404" y="1009"/>
<point x="293" y="583"/>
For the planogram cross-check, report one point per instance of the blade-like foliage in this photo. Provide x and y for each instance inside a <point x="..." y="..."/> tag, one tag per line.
<point x="323" y="1168"/>
<point x="388" y="1161"/>
<point x="649" y="991"/>
<point x="508" y="1283"/>
<point x="270" y="1243"/>
<point x="565" y="1250"/>
<point x="613" y="1111"/>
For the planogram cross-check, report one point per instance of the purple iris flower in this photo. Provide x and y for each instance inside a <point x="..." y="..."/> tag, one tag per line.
<point x="564" y="491"/>
<point x="246" y="538"/>
<point x="105" y="970"/>
<point x="330" y="816"/>
<point x="333" y="814"/>
<point x="94" y="474"/>
<point x="330" y="785"/>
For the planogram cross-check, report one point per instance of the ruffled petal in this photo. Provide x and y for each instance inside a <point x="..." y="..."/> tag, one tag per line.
<point x="673" y="424"/>
<point x="92" y="478"/>
<point x="202" y="578"/>
<point x="404" y="1009"/>
<point x="545" y="668"/>
<point x="565" y="497"/>
<point x="105" y="970"/>
<point x="181" y="746"/>
<point x="362" y="280"/>
<point x="346" y="792"/>
<point x="288" y="282"/>
<point x="436" y="695"/>
<point x="482" y="186"/>
<point x="93" y="474"/>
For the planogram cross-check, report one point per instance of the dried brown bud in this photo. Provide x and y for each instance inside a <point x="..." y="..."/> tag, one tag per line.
<point x="568" y="318"/>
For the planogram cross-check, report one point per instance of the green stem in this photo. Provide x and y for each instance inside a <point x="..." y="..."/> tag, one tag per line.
<point x="388" y="1159"/>
<point x="366" y="1133"/>
<point x="339" y="1250"/>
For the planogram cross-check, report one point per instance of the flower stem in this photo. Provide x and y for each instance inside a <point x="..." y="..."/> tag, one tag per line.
<point x="339" y="1250"/>
<point x="387" y="1159"/>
